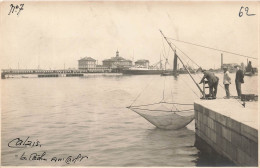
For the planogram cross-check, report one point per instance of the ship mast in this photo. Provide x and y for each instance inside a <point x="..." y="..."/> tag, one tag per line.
<point x="181" y="62"/>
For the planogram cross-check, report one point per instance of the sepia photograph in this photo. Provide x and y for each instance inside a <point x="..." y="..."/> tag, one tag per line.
<point x="129" y="83"/>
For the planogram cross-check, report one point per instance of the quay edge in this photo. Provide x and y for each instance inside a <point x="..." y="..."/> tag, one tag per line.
<point x="229" y="129"/>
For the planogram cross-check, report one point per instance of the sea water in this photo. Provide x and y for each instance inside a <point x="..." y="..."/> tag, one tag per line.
<point x="83" y="121"/>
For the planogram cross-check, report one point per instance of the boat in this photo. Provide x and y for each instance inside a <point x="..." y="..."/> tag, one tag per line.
<point x="167" y="73"/>
<point x="250" y="71"/>
<point x="174" y="72"/>
<point x="250" y="74"/>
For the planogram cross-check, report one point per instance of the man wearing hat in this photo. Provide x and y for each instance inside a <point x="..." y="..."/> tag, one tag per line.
<point x="239" y="80"/>
<point x="226" y="81"/>
<point x="212" y="82"/>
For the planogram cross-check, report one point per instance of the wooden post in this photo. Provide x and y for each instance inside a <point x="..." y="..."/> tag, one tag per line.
<point x="182" y="63"/>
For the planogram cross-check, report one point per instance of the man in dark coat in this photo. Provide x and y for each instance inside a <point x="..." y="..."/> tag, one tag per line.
<point x="212" y="82"/>
<point x="239" y="80"/>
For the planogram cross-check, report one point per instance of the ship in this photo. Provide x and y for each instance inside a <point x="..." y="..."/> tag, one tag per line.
<point x="142" y="71"/>
<point x="250" y="71"/>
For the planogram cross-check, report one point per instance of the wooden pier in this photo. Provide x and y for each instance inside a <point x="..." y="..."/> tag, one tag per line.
<point x="52" y="73"/>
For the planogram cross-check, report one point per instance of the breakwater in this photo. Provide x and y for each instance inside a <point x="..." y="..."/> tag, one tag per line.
<point x="229" y="129"/>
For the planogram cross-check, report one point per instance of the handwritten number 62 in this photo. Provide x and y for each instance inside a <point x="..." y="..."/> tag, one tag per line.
<point x="246" y="9"/>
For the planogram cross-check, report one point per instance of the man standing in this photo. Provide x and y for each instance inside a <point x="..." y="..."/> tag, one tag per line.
<point x="212" y="81"/>
<point x="239" y="80"/>
<point x="226" y="81"/>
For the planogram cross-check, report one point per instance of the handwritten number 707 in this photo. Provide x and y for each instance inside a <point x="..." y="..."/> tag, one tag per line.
<point x="246" y="9"/>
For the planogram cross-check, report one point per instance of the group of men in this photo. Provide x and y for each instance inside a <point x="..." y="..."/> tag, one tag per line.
<point x="214" y="80"/>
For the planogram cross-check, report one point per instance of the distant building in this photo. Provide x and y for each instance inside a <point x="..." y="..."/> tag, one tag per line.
<point x="87" y="63"/>
<point x="117" y="62"/>
<point x="230" y="66"/>
<point x="142" y="63"/>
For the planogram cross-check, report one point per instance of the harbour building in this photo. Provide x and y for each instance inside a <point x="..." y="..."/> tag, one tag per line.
<point x="87" y="63"/>
<point x="142" y="63"/>
<point x="117" y="63"/>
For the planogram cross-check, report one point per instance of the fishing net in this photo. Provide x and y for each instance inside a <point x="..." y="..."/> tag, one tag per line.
<point x="163" y="116"/>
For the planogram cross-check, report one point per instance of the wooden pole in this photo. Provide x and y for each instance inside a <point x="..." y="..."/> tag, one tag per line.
<point x="182" y="62"/>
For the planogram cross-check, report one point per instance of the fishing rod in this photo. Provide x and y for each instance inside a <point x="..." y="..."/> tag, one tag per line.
<point x="182" y="62"/>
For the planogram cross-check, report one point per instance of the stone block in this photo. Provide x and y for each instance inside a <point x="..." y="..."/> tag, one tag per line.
<point x="206" y="111"/>
<point x="211" y="124"/>
<point x="196" y="107"/>
<point x="245" y="145"/>
<point x="207" y="132"/>
<point x="196" y="115"/>
<point x="215" y="125"/>
<point x="200" y="116"/>
<point x="218" y="129"/>
<point x="197" y="125"/>
<point x="219" y="140"/>
<point x="226" y="133"/>
<point x="203" y="128"/>
<point x="199" y="108"/>
<point x="221" y="119"/>
<point x="249" y="132"/>
<point x="198" y="133"/>
<point x="241" y="157"/>
<point x="253" y="162"/>
<point x="236" y="139"/>
<point x="244" y="159"/>
<point x="205" y="120"/>
<point x="234" y="125"/>
<point x="231" y="150"/>
<point x="213" y="136"/>
<point x="224" y="144"/>
<point x="204" y="137"/>
<point x="212" y="114"/>
<point x="254" y="150"/>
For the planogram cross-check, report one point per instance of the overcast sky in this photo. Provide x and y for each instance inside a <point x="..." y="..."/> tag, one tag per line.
<point x="52" y="34"/>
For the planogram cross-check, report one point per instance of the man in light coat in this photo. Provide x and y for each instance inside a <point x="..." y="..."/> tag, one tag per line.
<point x="226" y="82"/>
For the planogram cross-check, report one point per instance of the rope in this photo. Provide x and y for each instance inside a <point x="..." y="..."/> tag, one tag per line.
<point x="178" y="103"/>
<point x="212" y="48"/>
<point x="173" y="104"/>
<point x="185" y="54"/>
<point x="163" y="89"/>
<point x="168" y="52"/>
<point x="164" y="110"/>
<point x="191" y="88"/>
<point x="161" y="103"/>
<point x="141" y="92"/>
<point x="146" y="104"/>
<point x="163" y="47"/>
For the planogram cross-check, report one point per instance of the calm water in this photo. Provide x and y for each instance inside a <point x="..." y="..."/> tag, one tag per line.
<point x="88" y="116"/>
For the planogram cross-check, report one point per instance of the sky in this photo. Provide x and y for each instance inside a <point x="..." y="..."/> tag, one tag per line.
<point x="51" y="35"/>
